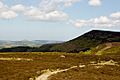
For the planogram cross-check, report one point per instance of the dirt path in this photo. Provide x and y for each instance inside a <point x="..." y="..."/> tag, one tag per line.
<point x="108" y="45"/>
<point x="48" y="73"/>
<point x="15" y="59"/>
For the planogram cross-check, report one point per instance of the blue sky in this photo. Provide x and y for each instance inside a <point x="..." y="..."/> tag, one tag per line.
<point x="56" y="19"/>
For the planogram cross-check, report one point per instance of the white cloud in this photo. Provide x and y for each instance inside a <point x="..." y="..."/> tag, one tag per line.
<point x="6" y="13"/>
<point x="115" y="15"/>
<point x="36" y="14"/>
<point x="51" y="5"/>
<point x="102" y="21"/>
<point x="47" y="11"/>
<point x="1" y="4"/>
<point x="79" y="23"/>
<point x="68" y="3"/>
<point x="56" y="15"/>
<point x="18" y="8"/>
<point x="94" y="2"/>
<point x="48" y="5"/>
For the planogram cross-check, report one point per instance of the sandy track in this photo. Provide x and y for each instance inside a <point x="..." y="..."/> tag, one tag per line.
<point x="48" y="73"/>
<point x="15" y="59"/>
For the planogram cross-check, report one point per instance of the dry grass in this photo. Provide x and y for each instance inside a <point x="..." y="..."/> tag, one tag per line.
<point x="23" y="70"/>
<point x="89" y="73"/>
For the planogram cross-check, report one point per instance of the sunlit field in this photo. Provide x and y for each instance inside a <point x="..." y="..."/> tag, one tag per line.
<point x="26" y="66"/>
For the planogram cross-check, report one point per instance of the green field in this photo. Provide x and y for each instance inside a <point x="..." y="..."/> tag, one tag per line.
<point x="12" y="68"/>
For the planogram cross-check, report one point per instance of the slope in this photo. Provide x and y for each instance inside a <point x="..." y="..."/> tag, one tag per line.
<point x="87" y="41"/>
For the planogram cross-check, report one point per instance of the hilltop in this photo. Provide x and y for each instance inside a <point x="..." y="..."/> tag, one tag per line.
<point x="86" y="41"/>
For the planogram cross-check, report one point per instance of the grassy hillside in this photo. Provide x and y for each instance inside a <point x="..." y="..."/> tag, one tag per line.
<point x="87" y="41"/>
<point x="112" y="48"/>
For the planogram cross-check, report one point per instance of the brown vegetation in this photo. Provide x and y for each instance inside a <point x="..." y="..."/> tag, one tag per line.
<point x="23" y="70"/>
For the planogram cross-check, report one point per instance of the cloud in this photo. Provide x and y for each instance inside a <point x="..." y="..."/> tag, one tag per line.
<point x="102" y="21"/>
<point x="68" y="3"/>
<point x="51" y="5"/>
<point x="94" y="2"/>
<point x="48" y="10"/>
<point x="36" y="14"/>
<point x="6" y="13"/>
<point x="79" y="23"/>
<point x="18" y="8"/>
<point x="115" y="15"/>
<point x="1" y="4"/>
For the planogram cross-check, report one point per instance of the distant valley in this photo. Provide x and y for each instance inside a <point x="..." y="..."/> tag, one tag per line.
<point x="33" y="43"/>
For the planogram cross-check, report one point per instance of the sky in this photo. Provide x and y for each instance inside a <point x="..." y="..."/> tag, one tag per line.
<point x="60" y="20"/>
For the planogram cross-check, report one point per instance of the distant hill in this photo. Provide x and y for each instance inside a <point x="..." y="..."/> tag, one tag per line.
<point x="33" y="43"/>
<point x="86" y="41"/>
<point x="82" y="43"/>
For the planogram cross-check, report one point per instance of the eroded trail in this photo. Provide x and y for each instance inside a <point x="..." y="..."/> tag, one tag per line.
<point x="15" y="59"/>
<point x="48" y="73"/>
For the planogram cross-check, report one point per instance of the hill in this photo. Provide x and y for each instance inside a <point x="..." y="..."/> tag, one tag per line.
<point x="32" y="43"/>
<point x="83" y="43"/>
<point x="86" y="41"/>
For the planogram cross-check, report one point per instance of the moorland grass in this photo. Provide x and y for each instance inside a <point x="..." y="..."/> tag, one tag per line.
<point x="23" y="70"/>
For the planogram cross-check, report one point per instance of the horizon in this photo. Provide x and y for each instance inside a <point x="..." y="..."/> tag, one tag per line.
<point x="61" y="40"/>
<point x="59" y="20"/>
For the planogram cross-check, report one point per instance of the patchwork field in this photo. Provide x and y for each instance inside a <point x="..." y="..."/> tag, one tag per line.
<point x="29" y="66"/>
